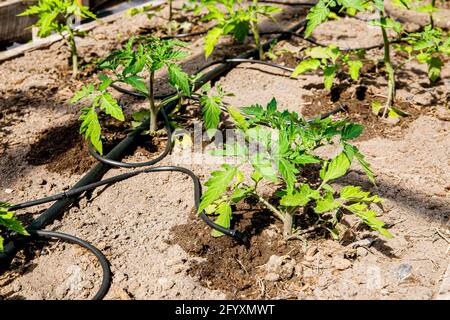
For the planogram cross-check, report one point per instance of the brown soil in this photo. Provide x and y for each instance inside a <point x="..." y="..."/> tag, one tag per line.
<point x="230" y="266"/>
<point x="356" y="107"/>
<point x="63" y="149"/>
<point x="81" y="266"/>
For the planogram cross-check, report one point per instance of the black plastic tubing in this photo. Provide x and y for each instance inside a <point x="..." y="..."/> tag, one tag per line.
<point x="106" y="278"/>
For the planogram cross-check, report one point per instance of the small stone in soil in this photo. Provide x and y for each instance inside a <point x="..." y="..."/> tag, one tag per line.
<point x="361" y="252"/>
<point x="341" y="263"/>
<point x="403" y="271"/>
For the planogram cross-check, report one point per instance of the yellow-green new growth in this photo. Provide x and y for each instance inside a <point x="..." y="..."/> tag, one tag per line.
<point x="49" y="14"/>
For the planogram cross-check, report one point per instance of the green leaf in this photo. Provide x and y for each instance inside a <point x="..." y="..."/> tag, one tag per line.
<point x="83" y="93"/>
<point x="106" y="82"/>
<point x="305" y="159"/>
<point x="376" y="107"/>
<point x="211" y="111"/>
<point x="326" y="204"/>
<point x="90" y="127"/>
<point x="352" y="151"/>
<point x="288" y="172"/>
<point x="329" y="72"/>
<point x="353" y="4"/>
<point x="111" y="107"/>
<point x="315" y="17"/>
<point x="305" y="66"/>
<point x="319" y="52"/>
<point x="179" y="79"/>
<point x="353" y="68"/>
<point x="137" y="83"/>
<point x="8" y="220"/>
<point x="272" y="106"/>
<point x="238" y="118"/>
<point x="369" y="218"/>
<point x="211" y="39"/>
<point x="224" y="219"/>
<point x="217" y="185"/>
<point x="255" y="110"/>
<point x="299" y="198"/>
<point x="352" y="131"/>
<point x="337" y="167"/>
<point x="240" y="31"/>
<point x="387" y="23"/>
<point x="434" y="68"/>
<point x="239" y="194"/>
<point x="256" y="176"/>
<point x="354" y="194"/>
<point x="266" y="170"/>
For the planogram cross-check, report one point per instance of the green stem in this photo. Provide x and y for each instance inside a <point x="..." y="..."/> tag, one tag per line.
<point x="288" y="222"/>
<point x="433" y="4"/>
<point x="390" y="72"/>
<point x="274" y="210"/>
<point x="169" y="100"/>
<point x="73" y="53"/>
<point x="254" y="26"/>
<point x="153" y="111"/>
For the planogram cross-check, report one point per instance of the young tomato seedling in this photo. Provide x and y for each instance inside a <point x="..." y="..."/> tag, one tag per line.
<point x="326" y="58"/>
<point x="280" y="159"/>
<point x="8" y="221"/>
<point x="129" y="66"/>
<point x="425" y="45"/>
<point x="151" y="10"/>
<point x="56" y="16"/>
<point x="237" y="21"/>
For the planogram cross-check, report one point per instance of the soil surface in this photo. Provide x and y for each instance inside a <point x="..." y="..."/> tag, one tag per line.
<point x="146" y="226"/>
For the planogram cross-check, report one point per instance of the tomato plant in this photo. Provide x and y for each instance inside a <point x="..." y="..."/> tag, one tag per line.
<point x="330" y="60"/>
<point x="49" y="14"/>
<point x="128" y="66"/>
<point x="237" y="21"/>
<point x="279" y="160"/>
<point x="424" y="46"/>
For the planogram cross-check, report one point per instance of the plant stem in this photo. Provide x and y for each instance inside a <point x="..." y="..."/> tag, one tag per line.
<point x="390" y="72"/>
<point x="297" y="235"/>
<point x="170" y="17"/>
<point x="254" y="26"/>
<point x="288" y="221"/>
<point x="153" y="111"/>
<point x="169" y="100"/>
<point x="433" y="4"/>
<point x="73" y="53"/>
<point x="274" y="210"/>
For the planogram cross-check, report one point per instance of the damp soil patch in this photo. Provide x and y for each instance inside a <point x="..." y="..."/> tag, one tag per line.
<point x="356" y="107"/>
<point x="234" y="268"/>
<point x="63" y="150"/>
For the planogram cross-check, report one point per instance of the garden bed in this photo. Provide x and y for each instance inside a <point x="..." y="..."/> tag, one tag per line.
<point x="146" y="226"/>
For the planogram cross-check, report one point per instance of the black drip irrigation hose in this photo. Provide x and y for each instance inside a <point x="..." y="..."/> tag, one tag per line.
<point x="288" y="33"/>
<point x="242" y="60"/>
<point x="106" y="278"/>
